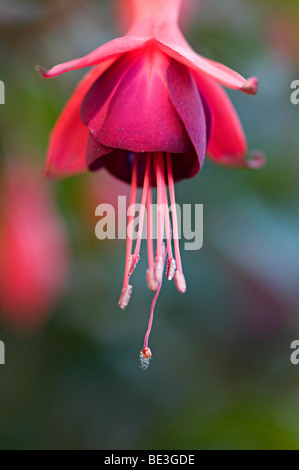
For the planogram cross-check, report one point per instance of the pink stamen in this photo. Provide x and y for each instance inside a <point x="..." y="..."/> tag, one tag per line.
<point x="171" y="268"/>
<point x="155" y="270"/>
<point x="171" y="264"/>
<point x="134" y="259"/>
<point x="127" y="290"/>
<point x="125" y="296"/>
<point x="179" y="277"/>
<point x="160" y="176"/>
<point x="180" y="282"/>
<point x="142" y="206"/>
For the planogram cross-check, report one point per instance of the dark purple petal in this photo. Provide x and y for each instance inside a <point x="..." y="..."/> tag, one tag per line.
<point x="94" y="152"/>
<point x="118" y="162"/>
<point x="208" y="115"/>
<point x="185" y="165"/>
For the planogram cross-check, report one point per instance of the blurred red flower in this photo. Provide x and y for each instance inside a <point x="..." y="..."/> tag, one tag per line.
<point x="33" y="248"/>
<point x="283" y="29"/>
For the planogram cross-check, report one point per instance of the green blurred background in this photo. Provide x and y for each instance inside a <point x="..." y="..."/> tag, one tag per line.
<point x="221" y="376"/>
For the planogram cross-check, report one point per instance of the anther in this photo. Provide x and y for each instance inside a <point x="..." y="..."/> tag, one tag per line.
<point x="151" y="280"/>
<point x="125" y="296"/>
<point x="159" y="266"/>
<point x="133" y="261"/>
<point x="127" y="289"/>
<point x="180" y="282"/>
<point x="171" y="268"/>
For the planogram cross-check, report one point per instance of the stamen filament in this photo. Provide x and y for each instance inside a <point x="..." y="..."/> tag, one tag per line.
<point x="127" y="289"/>
<point x="142" y="206"/>
<point x="171" y="264"/>
<point x="160" y="216"/>
<point x="150" y="276"/>
<point x="167" y="225"/>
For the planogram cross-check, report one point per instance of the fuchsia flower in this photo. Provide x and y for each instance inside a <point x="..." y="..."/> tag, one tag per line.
<point x="33" y="249"/>
<point x="148" y="112"/>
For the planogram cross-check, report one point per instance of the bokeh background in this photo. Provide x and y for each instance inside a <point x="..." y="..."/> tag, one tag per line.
<point x="221" y="376"/>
